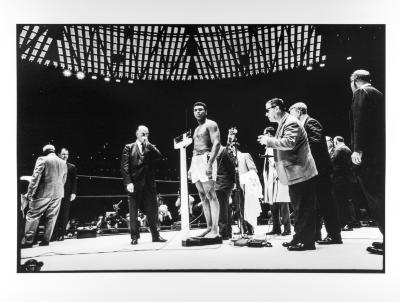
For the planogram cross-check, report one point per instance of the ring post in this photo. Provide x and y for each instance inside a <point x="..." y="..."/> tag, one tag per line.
<point x="181" y="142"/>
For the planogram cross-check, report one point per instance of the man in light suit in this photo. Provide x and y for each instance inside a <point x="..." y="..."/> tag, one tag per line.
<point x="296" y="168"/>
<point x="367" y="122"/>
<point x="137" y="169"/>
<point x="44" y="194"/>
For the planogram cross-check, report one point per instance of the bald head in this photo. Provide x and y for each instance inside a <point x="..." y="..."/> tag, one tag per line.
<point x="361" y="75"/>
<point x="142" y="133"/>
<point x="359" y="78"/>
<point x="298" y="109"/>
<point x="49" y="149"/>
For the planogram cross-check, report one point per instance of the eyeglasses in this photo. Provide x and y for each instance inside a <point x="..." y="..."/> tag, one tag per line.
<point x="267" y="109"/>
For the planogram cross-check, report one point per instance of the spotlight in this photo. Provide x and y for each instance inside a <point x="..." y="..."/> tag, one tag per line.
<point x="117" y="80"/>
<point x="348" y="58"/>
<point x="67" y="73"/>
<point x="322" y="65"/>
<point x="309" y="68"/>
<point x="80" y="75"/>
<point x="130" y="81"/>
<point x="94" y="77"/>
<point x="107" y="79"/>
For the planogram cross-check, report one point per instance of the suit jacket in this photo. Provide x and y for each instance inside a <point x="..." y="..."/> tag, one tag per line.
<point x="226" y="170"/>
<point x="318" y="146"/>
<point x="137" y="167"/>
<point x="71" y="182"/>
<point x="245" y="163"/>
<point x="341" y="160"/>
<point x="294" y="162"/>
<point x="367" y="122"/>
<point x="48" y="179"/>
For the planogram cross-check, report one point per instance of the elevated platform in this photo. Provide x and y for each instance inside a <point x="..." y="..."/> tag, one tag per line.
<point x="114" y="253"/>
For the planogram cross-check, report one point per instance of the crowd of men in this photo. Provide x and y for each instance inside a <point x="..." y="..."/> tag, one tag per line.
<point x="315" y="178"/>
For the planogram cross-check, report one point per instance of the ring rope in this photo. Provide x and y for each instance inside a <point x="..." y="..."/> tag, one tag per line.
<point x="123" y="196"/>
<point x="120" y="178"/>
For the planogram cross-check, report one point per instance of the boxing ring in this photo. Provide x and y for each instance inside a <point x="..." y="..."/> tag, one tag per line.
<point x="113" y="251"/>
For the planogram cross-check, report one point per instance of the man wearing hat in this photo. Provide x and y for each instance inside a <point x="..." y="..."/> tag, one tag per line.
<point x="44" y="194"/>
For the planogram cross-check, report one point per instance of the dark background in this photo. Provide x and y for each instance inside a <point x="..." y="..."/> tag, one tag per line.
<point x="94" y="118"/>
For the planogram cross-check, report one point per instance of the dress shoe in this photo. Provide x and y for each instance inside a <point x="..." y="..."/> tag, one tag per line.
<point x="301" y="247"/>
<point x="330" y="240"/>
<point x="26" y="245"/>
<point x="274" y="233"/>
<point x="44" y="243"/>
<point x="378" y="245"/>
<point x="285" y="233"/>
<point x="374" y="250"/>
<point x="288" y="243"/>
<point x="134" y="241"/>
<point x="347" y="228"/>
<point x="60" y="238"/>
<point x="355" y="225"/>
<point x="159" y="239"/>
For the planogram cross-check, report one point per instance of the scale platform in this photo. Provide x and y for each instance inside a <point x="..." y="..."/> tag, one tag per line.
<point x="200" y="241"/>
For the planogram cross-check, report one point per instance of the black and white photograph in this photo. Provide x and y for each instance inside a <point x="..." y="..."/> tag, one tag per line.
<point x="155" y="146"/>
<point x="212" y="146"/>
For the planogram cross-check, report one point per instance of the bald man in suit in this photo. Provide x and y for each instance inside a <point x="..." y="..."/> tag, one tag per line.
<point x="44" y="193"/>
<point x="137" y="169"/>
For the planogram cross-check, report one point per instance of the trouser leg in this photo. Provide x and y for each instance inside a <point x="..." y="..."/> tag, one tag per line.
<point x="225" y="228"/>
<point x="276" y="224"/>
<point x="133" y="213"/>
<point x="327" y="205"/>
<point x="303" y="196"/>
<point x="373" y="187"/>
<point x="51" y="214"/>
<point x="36" y="209"/>
<point x="284" y="211"/>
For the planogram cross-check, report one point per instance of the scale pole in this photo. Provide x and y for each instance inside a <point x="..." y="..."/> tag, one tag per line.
<point x="184" y="196"/>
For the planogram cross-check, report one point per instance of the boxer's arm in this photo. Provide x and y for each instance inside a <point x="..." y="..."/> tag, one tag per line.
<point x="215" y="140"/>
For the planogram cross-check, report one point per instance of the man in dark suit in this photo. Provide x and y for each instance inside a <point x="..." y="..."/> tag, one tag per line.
<point x="44" y="193"/>
<point x="367" y="122"/>
<point x="137" y="169"/>
<point x="327" y="208"/>
<point x="69" y="195"/>
<point x="341" y="183"/>
<point x="296" y="168"/>
<point x="223" y="189"/>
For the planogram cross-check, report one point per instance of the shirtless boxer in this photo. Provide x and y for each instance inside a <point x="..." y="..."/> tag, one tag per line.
<point x="203" y="170"/>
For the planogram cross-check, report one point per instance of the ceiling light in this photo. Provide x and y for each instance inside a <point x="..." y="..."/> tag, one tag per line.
<point x="80" y="75"/>
<point x="348" y="58"/>
<point x="67" y="73"/>
<point x="94" y="77"/>
<point x="107" y="79"/>
<point x="309" y="67"/>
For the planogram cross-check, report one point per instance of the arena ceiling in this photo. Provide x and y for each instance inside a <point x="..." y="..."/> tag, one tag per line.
<point x="170" y="52"/>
